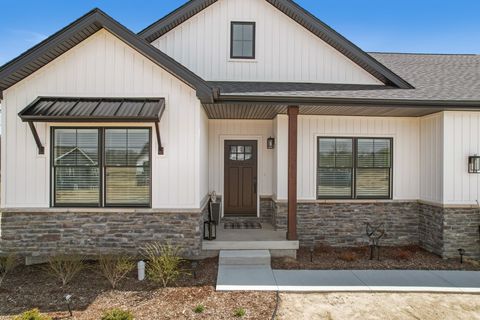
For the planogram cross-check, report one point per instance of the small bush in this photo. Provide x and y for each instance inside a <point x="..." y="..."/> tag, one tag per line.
<point x="7" y="264"/>
<point x="115" y="268"/>
<point x="33" y="314"/>
<point x="240" y="312"/>
<point x="65" y="268"/>
<point x="199" y="309"/>
<point x="117" y="314"/>
<point x="348" y="256"/>
<point x="163" y="263"/>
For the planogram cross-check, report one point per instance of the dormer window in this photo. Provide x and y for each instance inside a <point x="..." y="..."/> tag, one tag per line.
<point x="242" y="42"/>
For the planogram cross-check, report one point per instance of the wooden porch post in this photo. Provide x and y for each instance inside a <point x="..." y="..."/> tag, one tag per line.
<point x="292" y="173"/>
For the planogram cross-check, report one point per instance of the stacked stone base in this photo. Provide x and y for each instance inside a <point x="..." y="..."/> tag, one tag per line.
<point x="342" y="224"/>
<point x="92" y="233"/>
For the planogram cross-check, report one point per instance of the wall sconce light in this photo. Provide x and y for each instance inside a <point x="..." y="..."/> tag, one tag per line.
<point x="270" y="143"/>
<point x="474" y="164"/>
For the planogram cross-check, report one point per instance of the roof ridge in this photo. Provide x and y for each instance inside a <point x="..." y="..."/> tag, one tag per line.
<point x="424" y="53"/>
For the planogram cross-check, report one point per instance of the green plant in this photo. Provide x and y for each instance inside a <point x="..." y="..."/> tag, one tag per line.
<point x="7" y="264"/>
<point x="164" y="262"/>
<point x="199" y="309"/>
<point x="117" y="314"/>
<point x="115" y="268"/>
<point x="65" y="268"/>
<point x="239" y="312"/>
<point x="33" y="314"/>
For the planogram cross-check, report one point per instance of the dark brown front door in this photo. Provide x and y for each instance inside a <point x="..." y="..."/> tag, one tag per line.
<point x="240" y="178"/>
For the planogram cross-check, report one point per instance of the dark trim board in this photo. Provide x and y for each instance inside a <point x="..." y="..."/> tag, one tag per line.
<point x="299" y="15"/>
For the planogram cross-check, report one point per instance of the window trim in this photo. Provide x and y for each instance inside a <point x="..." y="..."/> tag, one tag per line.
<point x="232" y="56"/>
<point x="354" y="168"/>
<point x="101" y="166"/>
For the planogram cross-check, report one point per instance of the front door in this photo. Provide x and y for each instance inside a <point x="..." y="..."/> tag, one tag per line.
<point x="240" y="178"/>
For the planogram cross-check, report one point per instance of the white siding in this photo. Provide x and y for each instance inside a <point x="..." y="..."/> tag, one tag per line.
<point x="431" y="158"/>
<point x="102" y="65"/>
<point x="221" y="130"/>
<point x="285" y="51"/>
<point x="462" y="139"/>
<point x="404" y="131"/>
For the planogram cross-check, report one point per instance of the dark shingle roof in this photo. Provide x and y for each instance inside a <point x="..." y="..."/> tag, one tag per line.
<point x="436" y="77"/>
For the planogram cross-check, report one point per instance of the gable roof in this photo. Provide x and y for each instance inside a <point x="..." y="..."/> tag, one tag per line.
<point x="68" y="37"/>
<point x="302" y="17"/>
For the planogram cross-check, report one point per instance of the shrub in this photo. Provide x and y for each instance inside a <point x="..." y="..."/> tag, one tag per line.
<point x="117" y="314"/>
<point x="115" y="268"/>
<point x="199" y="309"/>
<point x="240" y="312"/>
<point x="33" y="314"/>
<point x="7" y="264"/>
<point x="65" y="268"/>
<point x="348" y="256"/>
<point x="163" y="263"/>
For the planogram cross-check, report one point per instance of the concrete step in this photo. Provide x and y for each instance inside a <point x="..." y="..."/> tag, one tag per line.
<point x="244" y="257"/>
<point x="250" y="245"/>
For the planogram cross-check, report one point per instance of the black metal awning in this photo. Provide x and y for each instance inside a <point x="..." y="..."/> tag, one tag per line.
<point x="62" y="109"/>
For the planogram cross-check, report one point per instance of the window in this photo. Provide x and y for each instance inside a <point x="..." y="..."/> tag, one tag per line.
<point x="242" y="40"/>
<point x="354" y="168"/>
<point x="101" y="167"/>
<point x="240" y="153"/>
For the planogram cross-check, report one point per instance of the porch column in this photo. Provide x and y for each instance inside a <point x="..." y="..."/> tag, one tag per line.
<point x="292" y="173"/>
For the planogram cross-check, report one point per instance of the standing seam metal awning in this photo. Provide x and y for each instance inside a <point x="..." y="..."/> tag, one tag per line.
<point x="61" y="109"/>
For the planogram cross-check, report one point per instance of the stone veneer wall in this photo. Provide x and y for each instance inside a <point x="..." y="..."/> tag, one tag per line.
<point x="91" y="232"/>
<point x="437" y="229"/>
<point x="344" y="223"/>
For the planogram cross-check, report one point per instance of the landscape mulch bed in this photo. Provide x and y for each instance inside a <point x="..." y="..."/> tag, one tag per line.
<point x="31" y="287"/>
<point x="407" y="258"/>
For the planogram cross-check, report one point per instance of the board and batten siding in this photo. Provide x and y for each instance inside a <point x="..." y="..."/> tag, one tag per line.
<point x="221" y="130"/>
<point x="406" y="147"/>
<point x="285" y="51"/>
<point x="431" y="158"/>
<point x="462" y="139"/>
<point x="104" y="66"/>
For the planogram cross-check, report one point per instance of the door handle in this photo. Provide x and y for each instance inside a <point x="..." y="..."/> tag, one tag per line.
<point x="255" y="186"/>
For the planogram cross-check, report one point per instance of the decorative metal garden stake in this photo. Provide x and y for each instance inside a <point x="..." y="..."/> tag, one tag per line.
<point x="194" y="269"/>
<point x="461" y="252"/>
<point x="375" y="234"/>
<point x="311" y="253"/>
<point x="68" y="299"/>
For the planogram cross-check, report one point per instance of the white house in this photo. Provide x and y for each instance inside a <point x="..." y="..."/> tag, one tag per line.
<point x="111" y="139"/>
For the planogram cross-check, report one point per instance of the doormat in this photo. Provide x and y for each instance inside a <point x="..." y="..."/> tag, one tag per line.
<point x="242" y="225"/>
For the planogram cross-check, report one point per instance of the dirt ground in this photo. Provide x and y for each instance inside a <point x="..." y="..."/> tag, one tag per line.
<point x="404" y="258"/>
<point x="31" y="287"/>
<point x="381" y="306"/>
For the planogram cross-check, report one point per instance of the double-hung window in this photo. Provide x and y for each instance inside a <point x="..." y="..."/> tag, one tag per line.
<point x="354" y="168"/>
<point x="101" y="167"/>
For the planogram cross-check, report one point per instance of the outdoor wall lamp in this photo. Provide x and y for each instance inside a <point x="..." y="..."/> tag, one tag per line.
<point x="474" y="164"/>
<point x="270" y="143"/>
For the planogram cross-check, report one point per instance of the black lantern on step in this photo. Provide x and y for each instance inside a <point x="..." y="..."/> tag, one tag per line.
<point x="270" y="143"/>
<point x="474" y="164"/>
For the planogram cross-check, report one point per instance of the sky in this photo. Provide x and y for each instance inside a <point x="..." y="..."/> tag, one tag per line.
<point x="419" y="26"/>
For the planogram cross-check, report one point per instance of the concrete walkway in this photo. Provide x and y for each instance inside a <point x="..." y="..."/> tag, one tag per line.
<point x="263" y="278"/>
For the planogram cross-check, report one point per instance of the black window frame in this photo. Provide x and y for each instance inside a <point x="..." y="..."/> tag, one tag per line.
<point x="102" y="167"/>
<point x="354" y="195"/>
<point x="243" y="23"/>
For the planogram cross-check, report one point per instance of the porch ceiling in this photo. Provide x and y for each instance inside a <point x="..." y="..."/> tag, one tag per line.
<point x="269" y="111"/>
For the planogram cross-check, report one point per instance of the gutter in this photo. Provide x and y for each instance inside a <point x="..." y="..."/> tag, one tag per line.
<point x="288" y="100"/>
